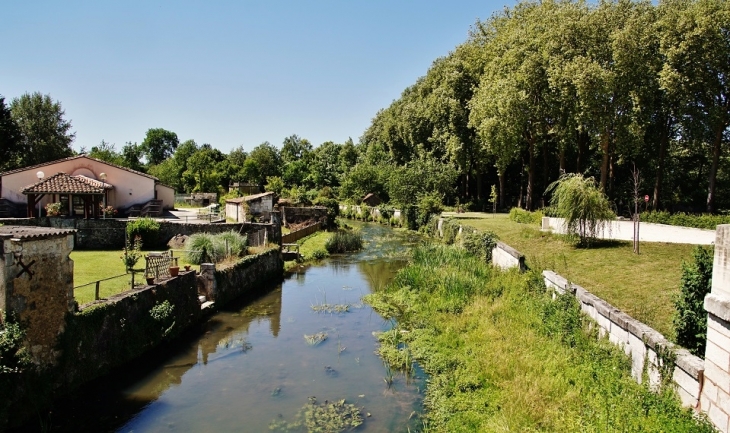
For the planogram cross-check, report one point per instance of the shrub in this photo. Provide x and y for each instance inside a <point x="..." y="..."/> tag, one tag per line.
<point x="344" y="241"/>
<point x="690" y="318"/>
<point x="703" y="221"/>
<point x="232" y="243"/>
<point x="428" y="204"/>
<point x="14" y="356"/>
<point x="585" y="208"/>
<point x="202" y="248"/>
<point x="480" y="244"/>
<point x="146" y="228"/>
<point x="525" y="217"/>
<point x="131" y="253"/>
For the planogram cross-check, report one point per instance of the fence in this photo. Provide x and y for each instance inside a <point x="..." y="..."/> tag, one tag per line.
<point x="295" y="236"/>
<point x="100" y="289"/>
<point x="158" y="265"/>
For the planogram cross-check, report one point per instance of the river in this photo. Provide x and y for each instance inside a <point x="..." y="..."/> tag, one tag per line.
<point x="250" y="366"/>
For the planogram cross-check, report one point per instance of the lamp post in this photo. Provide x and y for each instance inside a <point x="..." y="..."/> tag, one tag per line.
<point x="40" y="175"/>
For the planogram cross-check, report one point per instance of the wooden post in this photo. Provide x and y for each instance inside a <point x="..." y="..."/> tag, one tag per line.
<point x="96" y="292"/>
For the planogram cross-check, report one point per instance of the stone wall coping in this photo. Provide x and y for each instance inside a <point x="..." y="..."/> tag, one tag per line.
<point x="620" y="318"/>
<point x="718" y="306"/>
<point x="511" y="251"/>
<point x="690" y="364"/>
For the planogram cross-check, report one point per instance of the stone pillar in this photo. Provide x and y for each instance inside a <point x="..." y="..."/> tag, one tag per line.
<point x="715" y="399"/>
<point x="207" y="285"/>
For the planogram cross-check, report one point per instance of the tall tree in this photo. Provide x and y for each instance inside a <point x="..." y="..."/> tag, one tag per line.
<point x="159" y="144"/>
<point x="10" y="139"/>
<point x="265" y="161"/>
<point x="45" y="134"/>
<point x="696" y="43"/>
<point x="106" y="152"/>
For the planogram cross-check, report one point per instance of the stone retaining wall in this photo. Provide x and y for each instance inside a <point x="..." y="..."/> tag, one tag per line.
<point x="506" y="257"/>
<point x="107" y="234"/>
<point x="647" y="348"/>
<point x="243" y="278"/>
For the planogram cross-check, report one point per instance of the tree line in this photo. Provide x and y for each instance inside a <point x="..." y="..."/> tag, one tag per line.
<point x="537" y="90"/>
<point x="554" y="87"/>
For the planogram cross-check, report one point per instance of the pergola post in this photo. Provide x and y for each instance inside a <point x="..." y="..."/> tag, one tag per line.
<point x="31" y="205"/>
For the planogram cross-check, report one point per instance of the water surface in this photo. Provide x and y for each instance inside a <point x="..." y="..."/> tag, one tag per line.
<point x="251" y="365"/>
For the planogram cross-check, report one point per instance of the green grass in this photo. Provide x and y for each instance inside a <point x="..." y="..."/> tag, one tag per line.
<point x="502" y="356"/>
<point x="311" y="247"/>
<point x="90" y="266"/>
<point x="642" y="285"/>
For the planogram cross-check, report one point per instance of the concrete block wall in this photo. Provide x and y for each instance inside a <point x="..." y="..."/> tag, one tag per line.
<point x="646" y="347"/>
<point x="715" y="399"/>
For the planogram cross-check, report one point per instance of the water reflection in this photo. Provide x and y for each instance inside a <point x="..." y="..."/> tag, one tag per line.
<point x="250" y="364"/>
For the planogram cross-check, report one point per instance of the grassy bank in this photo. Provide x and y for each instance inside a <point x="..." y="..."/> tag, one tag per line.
<point x="503" y="357"/>
<point x="641" y="285"/>
<point x="311" y="248"/>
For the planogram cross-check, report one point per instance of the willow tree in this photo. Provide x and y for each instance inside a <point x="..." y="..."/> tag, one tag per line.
<point x="584" y="207"/>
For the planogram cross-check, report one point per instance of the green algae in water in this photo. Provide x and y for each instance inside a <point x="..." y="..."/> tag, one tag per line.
<point x="315" y="339"/>
<point x="328" y="417"/>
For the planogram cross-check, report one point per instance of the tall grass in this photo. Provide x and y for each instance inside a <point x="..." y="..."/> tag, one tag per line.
<point x="209" y="248"/>
<point x="344" y="241"/>
<point x="502" y="356"/>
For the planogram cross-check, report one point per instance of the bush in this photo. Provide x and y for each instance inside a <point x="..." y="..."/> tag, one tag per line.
<point x="690" y="318"/>
<point x="147" y="229"/>
<point x="703" y="221"/>
<point x="428" y="205"/>
<point x="233" y="241"/>
<point x="344" y="241"/>
<point x="480" y="244"/>
<point x="202" y="248"/>
<point x="525" y="217"/>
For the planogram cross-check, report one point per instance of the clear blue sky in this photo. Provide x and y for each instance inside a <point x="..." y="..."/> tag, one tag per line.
<point x="227" y="73"/>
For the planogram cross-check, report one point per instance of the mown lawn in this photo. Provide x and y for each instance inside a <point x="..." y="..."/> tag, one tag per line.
<point x="642" y="285"/>
<point x="309" y="247"/>
<point x="90" y="266"/>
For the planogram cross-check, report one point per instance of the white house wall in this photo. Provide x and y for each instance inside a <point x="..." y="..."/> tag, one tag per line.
<point x="167" y="195"/>
<point x="129" y="188"/>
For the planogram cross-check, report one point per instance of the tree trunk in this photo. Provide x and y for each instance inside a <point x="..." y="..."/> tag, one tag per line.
<point x="663" y="141"/>
<point x="562" y="160"/>
<point x="480" y="180"/>
<point x="605" y="161"/>
<point x="530" y="174"/>
<point x="716" y="148"/>
<point x="500" y="173"/>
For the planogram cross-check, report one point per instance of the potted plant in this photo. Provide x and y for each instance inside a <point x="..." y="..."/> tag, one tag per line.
<point x="150" y="280"/>
<point x="174" y="270"/>
<point x="53" y="209"/>
<point x="187" y="268"/>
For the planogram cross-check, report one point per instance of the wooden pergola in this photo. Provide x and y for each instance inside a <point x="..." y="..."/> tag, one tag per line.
<point x="91" y="191"/>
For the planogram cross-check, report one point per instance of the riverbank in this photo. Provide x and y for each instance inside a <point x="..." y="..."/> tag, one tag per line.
<point x="503" y="356"/>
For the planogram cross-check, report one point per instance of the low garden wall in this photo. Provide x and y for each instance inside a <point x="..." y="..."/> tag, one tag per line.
<point x="648" y="232"/>
<point x="506" y="257"/>
<point x="107" y="234"/>
<point x="245" y="277"/>
<point x="651" y="354"/>
<point x="290" y="215"/>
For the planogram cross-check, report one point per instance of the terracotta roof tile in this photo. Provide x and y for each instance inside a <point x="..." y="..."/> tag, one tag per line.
<point x="62" y="183"/>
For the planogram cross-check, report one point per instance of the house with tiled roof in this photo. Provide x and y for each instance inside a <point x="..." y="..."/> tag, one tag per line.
<point x="82" y="185"/>
<point x="257" y="205"/>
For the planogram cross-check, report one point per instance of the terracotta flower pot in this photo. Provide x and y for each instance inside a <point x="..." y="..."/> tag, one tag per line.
<point x="187" y="267"/>
<point x="150" y="281"/>
<point x="174" y="271"/>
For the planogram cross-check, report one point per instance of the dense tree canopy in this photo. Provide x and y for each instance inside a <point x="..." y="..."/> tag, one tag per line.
<point x="45" y="135"/>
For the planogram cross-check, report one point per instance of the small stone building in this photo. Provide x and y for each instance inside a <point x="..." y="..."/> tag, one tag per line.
<point x="36" y="284"/>
<point x="372" y="200"/>
<point x="257" y="205"/>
